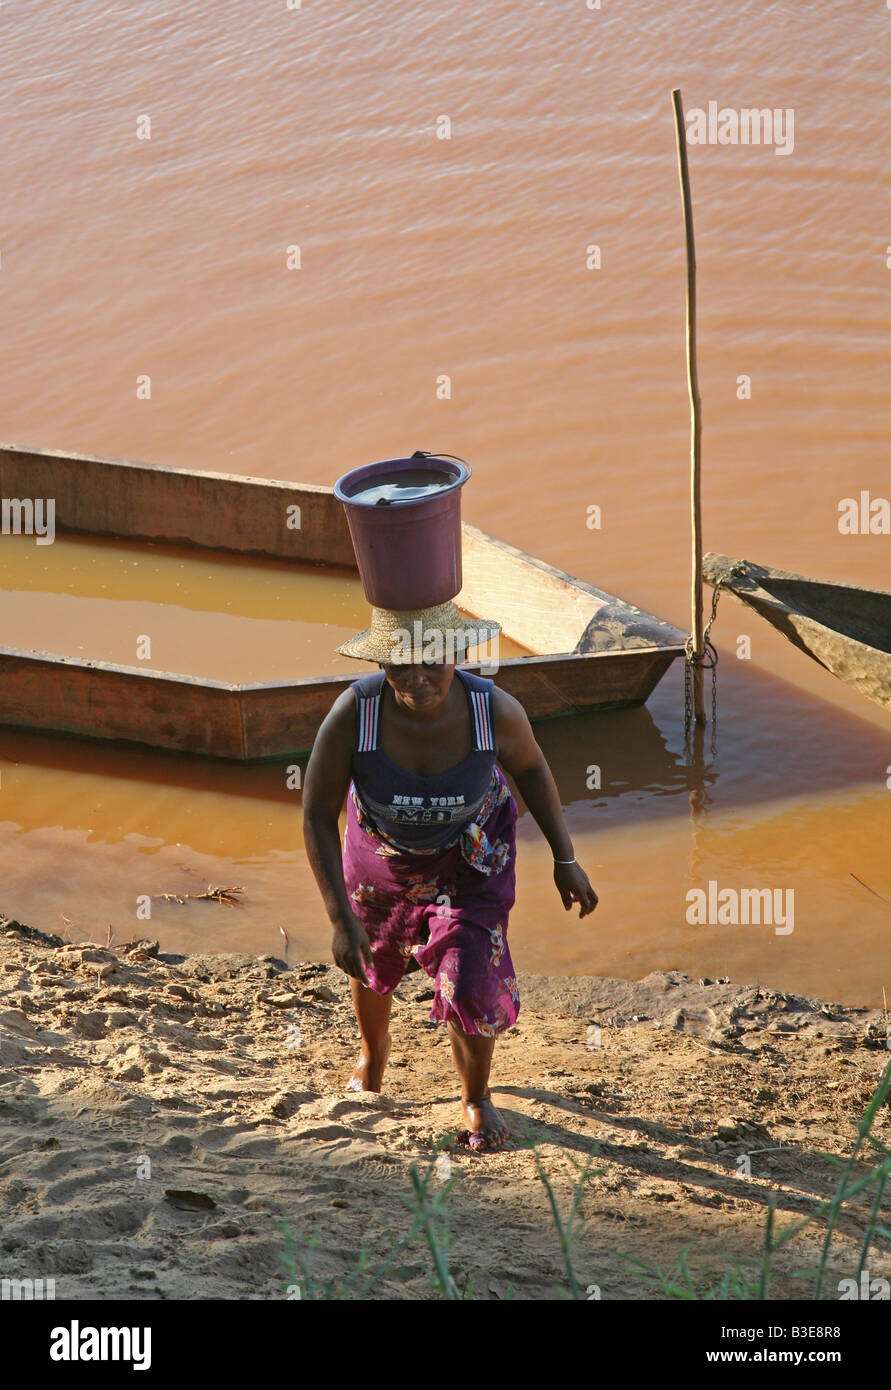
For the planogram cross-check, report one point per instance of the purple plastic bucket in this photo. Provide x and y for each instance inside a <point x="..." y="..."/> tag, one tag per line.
<point x="404" y="517"/>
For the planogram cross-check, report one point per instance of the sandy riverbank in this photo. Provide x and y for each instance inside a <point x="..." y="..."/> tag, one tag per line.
<point x="126" y="1073"/>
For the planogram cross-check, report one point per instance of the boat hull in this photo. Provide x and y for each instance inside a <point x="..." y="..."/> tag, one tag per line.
<point x="591" y="650"/>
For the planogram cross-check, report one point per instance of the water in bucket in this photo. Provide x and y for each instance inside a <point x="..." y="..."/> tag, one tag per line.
<point x="405" y="486"/>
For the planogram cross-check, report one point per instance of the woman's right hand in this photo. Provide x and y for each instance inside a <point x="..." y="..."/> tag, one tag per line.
<point x="350" y="946"/>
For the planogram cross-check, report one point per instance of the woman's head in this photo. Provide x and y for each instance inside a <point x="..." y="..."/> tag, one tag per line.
<point x="420" y="684"/>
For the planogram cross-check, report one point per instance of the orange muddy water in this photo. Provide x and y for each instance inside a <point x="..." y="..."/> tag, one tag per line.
<point x="156" y="307"/>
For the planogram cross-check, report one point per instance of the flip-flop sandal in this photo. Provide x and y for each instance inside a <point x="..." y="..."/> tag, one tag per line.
<point x="475" y="1140"/>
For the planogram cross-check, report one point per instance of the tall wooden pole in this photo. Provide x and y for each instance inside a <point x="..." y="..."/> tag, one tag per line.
<point x="695" y="408"/>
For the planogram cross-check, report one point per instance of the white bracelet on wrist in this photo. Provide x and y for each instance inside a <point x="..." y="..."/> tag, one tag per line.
<point x="565" y="861"/>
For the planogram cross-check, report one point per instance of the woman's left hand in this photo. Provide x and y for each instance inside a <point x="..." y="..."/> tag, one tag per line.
<point x="573" y="887"/>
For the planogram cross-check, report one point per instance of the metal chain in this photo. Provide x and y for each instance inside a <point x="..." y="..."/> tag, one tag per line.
<point x="708" y="660"/>
<point x="735" y="569"/>
<point x="688" y="695"/>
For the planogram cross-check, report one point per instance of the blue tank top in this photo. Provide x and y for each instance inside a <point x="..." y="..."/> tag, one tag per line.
<point x="422" y="812"/>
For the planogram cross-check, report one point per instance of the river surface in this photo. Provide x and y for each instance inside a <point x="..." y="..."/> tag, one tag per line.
<point x="443" y="300"/>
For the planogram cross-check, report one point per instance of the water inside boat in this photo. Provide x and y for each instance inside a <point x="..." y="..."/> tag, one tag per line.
<point x="204" y="613"/>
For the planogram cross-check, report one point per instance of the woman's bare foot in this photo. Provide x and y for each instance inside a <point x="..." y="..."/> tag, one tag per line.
<point x="368" y="1073"/>
<point x="481" y="1117"/>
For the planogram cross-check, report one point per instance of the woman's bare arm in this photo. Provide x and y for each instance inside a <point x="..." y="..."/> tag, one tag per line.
<point x="324" y="791"/>
<point x="520" y="755"/>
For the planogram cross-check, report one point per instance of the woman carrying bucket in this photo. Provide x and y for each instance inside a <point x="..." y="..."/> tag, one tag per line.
<point x="428" y="863"/>
<point x="425" y="878"/>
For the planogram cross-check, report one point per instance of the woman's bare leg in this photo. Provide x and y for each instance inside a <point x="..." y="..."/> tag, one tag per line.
<point x="473" y="1059"/>
<point x="373" y="1017"/>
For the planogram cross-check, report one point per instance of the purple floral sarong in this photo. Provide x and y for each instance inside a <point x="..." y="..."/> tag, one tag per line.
<point x="460" y="895"/>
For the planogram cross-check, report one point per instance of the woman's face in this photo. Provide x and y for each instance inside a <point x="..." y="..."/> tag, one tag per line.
<point x="421" y="686"/>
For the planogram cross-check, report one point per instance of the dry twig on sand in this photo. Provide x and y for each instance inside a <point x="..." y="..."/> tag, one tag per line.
<point x="229" y="896"/>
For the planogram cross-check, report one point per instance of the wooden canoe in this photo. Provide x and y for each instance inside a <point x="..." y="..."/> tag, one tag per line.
<point x="845" y="628"/>
<point x="591" y="650"/>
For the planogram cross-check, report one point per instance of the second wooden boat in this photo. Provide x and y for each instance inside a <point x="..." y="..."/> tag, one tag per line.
<point x="845" y="628"/>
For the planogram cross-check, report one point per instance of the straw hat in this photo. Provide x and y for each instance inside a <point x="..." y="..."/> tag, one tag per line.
<point x="413" y="635"/>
